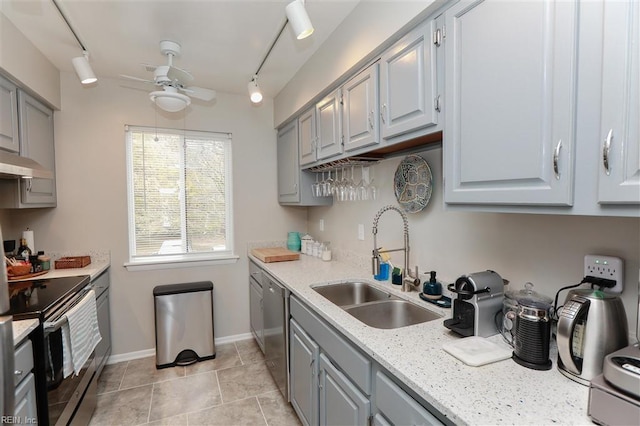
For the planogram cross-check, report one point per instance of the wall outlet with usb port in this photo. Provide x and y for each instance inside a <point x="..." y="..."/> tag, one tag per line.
<point x="605" y="268"/>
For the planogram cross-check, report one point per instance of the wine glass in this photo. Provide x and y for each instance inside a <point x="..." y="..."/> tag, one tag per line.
<point x="327" y="185"/>
<point x="315" y="188"/>
<point x="351" y="187"/>
<point x="372" y="190"/>
<point x="361" y="188"/>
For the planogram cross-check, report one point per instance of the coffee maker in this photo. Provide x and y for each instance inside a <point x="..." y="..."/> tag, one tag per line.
<point x="591" y="325"/>
<point x="479" y="299"/>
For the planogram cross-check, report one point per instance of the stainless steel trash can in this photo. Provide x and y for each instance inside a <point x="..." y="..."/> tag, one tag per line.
<point x="184" y="323"/>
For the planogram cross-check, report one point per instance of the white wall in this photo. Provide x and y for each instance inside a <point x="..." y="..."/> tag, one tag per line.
<point x="547" y="250"/>
<point x="92" y="199"/>
<point x="22" y="61"/>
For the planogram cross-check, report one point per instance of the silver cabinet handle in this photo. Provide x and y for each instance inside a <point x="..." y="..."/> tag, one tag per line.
<point x="605" y="152"/>
<point x="371" y="119"/>
<point x="436" y="105"/>
<point x="383" y="111"/>
<point x="18" y="372"/>
<point x="556" y="154"/>
<point x="271" y="290"/>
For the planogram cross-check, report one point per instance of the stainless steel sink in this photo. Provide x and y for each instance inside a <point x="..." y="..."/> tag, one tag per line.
<point x="392" y="314"/>
<point x="352" y="293"/>
<point x="373" y="306"/>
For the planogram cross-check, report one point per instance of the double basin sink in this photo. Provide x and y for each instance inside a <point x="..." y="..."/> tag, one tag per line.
<point x="373" y="306"/>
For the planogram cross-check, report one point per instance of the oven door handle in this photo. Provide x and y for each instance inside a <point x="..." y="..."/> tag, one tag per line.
<point x="52" y="326"/>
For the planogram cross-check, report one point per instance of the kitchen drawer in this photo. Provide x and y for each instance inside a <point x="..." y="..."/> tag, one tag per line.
<point x="343" y="354"/>
<point x="23" y="361"/>
<point x="398" y="406"/>
<point x="255" y="272"/>
<point x="101" y="283"/>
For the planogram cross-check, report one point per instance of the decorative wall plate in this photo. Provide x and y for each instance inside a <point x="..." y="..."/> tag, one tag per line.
<point x="413" y="183"/>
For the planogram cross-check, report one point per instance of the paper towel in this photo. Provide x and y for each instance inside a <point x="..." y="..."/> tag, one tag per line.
<point x="28" y="235"/>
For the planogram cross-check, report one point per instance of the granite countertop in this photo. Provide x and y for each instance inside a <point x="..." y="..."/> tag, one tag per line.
<point x="21" y="329"/>
<point x="499" y="393"/>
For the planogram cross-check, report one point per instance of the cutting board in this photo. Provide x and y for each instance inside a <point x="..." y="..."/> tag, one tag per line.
<point x="477" y="351"/>
<point x="275" y="254"/>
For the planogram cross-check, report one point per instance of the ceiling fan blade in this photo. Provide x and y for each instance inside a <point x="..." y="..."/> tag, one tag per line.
<point x="179" y="74"/>
<point x="130" y="77"/>
<point x="200" y="93"/>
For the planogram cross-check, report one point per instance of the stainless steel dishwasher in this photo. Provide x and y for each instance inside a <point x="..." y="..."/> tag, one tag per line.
<point x="276" y="332"/>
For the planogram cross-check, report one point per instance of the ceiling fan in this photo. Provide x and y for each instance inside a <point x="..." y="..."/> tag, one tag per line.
<point x="173" y="81"/>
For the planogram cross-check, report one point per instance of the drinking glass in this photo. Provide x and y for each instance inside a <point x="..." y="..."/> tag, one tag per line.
<point x="361" y="188"/>
<point x="351" y="187"/>
<point x="315" y="188"/>
<point x="372" y="189"/>
<point x="327" y="185"/>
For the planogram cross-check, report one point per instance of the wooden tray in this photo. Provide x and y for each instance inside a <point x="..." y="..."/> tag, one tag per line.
<point x="14" y="278"/>
<point x="72" y="262"/>
<point x="275" y="254"/>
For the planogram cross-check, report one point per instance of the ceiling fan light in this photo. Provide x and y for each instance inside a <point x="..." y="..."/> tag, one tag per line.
<point x="83" y="69"/>
<point x="254" y="92"/>
<point x="170" y="102"/>
<point x="299" y="19"/>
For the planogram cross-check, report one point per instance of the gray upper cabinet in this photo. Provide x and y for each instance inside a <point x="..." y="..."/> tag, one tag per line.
<point x="294" y="184"/>
<point x="329" y="125"/>
<point x="35" y="133"/>
<point x="36" y="142"/>
<point x="307" y="136"/>
<point x="9" y="116"/>
<point x="510" y="100"/>
<point x="288" y="168"/>
<point x="619" y="171"/>
<point x="408" y="83"/>
<point x="361" y="118"/>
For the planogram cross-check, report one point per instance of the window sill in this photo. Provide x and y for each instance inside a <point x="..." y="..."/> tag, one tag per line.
<point x="150" y="265"/>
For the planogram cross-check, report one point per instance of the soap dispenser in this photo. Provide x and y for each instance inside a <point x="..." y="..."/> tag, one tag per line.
<point x="432" y="289"/>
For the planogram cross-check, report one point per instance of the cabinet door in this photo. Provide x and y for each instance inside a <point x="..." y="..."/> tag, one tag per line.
<point x="8" y="117"/>
<point x="303" y="362"/>
<point x="360" y="110"/>
<point x="341" y="403"/>
<point x="329" y="129"/>
<point x="510" y="101"/>
<point x="288" y="168"/>
<point x="307" y="136"/>
<point x="398" y="406"/>
<point x="408" y="83"/>
<point x="256" y="312"/>
<point x="619" y="177"/>
<point x="36" y="142"/>
<point x="25" y="405"/>
<point x="103" y="349"/>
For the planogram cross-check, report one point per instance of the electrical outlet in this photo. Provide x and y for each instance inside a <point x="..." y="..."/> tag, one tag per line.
<point x="609" y="267"/>
<point x="360" y="232"/>
<point x="321" y="224"/>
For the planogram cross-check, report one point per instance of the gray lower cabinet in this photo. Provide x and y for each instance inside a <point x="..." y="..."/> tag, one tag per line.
<point x="256" y="310"/>
<point x="395" y="406"/>
<point x="333" y="383"/>
<point x="341" y="403"/>
<point x="303" y="374"/>
<point x="103" y="349"/>
<point x="25" y="409"/>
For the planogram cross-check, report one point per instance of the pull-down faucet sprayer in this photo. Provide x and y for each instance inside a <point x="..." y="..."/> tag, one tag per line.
<point x="409" y="282"/>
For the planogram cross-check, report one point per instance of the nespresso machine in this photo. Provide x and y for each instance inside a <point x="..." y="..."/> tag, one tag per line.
<point x="479" y="299"/>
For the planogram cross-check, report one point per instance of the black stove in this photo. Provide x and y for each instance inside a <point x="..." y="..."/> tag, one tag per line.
<point x="41" y="298"/>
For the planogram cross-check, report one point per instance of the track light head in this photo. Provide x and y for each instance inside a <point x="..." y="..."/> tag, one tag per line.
<point x="83" y="68"/>
<point x="299" y="19"/>
<point x="254" y="90"/>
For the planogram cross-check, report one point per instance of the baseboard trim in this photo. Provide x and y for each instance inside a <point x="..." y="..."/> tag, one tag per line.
<point x="130" y="356"/>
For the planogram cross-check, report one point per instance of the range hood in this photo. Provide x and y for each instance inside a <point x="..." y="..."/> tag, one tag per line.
<point x="13" y="166"/>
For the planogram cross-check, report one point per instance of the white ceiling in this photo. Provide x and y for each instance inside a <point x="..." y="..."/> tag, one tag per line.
<point x="223" y="41"/>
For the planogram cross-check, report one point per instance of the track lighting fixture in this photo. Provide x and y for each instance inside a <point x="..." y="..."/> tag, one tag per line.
<point x="297" y="15"/>
<point x="254" y="90"/>
<point x="83" y="68"/>
<point x="80" y="63"/>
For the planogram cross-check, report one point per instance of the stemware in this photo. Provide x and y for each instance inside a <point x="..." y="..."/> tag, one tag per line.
<point x="372" y="190"/>
<point x="327" y="185"/>
<point x="361" y="188"/>
<point x="315" y="188"/>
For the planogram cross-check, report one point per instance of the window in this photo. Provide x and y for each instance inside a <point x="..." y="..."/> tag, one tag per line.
<point x="179" y="193"/>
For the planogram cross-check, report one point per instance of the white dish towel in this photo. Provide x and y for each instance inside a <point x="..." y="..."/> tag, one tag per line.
<point x="80" y="335"/>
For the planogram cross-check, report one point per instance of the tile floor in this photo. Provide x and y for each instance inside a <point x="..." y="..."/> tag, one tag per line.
<point x="235" y="388"/>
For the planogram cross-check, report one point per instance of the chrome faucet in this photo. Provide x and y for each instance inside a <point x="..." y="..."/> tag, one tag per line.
<point x="409" y="282"/>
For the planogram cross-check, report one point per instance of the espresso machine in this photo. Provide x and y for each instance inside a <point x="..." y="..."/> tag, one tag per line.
<point x="479" y="299"/>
